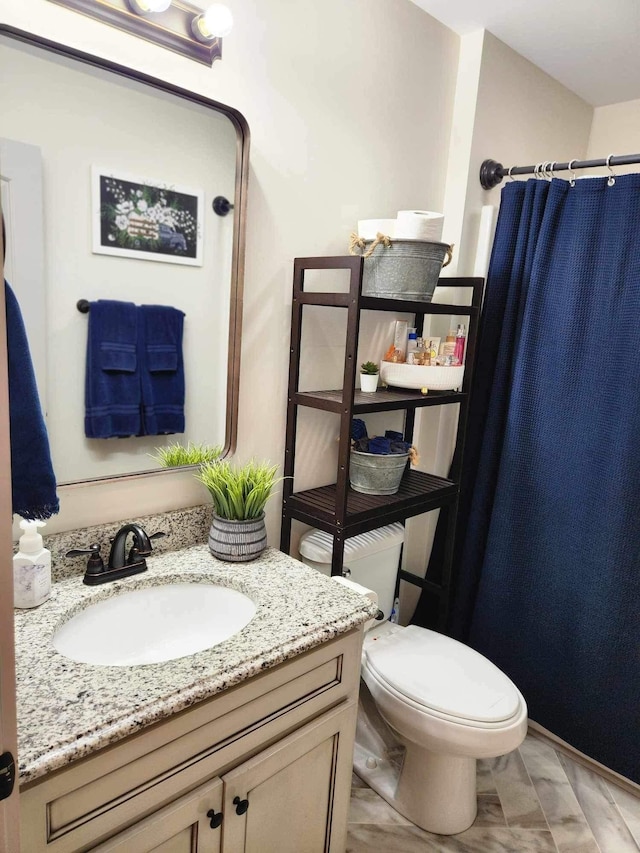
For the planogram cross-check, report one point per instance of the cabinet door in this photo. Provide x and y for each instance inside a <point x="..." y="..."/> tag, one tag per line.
<point x="182" y="827"/>
<point x="294" y="796"/>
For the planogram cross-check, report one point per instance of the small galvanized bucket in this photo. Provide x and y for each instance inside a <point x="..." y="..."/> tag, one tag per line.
<point x="237" y="541"/>
<point x="376" y="473"/>
<point x="402" y="269"/>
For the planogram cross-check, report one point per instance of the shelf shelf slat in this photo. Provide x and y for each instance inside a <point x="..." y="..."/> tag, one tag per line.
<point x="418" y="493"/>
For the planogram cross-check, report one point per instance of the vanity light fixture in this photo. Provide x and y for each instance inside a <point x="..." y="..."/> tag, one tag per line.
<point x="175" y="24"/>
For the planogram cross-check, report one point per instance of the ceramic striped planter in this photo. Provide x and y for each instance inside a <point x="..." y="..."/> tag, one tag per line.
<point x="237" y="541"/>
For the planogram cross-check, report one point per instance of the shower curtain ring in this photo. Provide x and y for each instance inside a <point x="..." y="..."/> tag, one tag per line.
<point x="572" y="179"/>
<point x="509" y="175"/>
<point x="612" y="178"/>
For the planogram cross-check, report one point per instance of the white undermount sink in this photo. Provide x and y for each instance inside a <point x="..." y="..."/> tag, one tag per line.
<point x="154" y="624"/>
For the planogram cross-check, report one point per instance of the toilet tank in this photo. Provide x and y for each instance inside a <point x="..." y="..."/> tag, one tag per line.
<point x="372" y="559"/>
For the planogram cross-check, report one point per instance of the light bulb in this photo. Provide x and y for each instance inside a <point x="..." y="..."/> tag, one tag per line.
<point x="143" y="7"/>
<point x="216" y="22"/>
<point x="158" y="5"/>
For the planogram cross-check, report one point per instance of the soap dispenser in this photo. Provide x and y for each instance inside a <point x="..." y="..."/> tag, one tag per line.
<point x="31" y="568"/>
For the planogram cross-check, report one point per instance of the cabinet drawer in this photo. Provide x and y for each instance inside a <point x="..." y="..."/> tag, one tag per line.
<point x="121" y="784"/>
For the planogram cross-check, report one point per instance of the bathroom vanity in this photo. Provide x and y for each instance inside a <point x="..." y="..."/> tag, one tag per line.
<point x="244" y="746"/>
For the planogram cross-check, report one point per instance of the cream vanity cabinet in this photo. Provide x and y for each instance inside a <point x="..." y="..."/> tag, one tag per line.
<point x="264" y="767"/>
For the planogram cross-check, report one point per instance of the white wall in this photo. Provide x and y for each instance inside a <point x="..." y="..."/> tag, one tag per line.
<point x="615" y="130"/>
<point x="349" y="106"/>
<point x="522" y="116"/>
<point x="81" y="118"/>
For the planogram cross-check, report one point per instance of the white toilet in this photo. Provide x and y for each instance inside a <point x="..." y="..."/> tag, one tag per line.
<point x="429" y="706"/>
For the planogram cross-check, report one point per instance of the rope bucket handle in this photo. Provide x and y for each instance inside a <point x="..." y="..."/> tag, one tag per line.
<point x="356" y="242"/>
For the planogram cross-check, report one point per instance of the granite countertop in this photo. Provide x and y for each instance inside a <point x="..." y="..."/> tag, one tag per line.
<point x="67" y="710"/>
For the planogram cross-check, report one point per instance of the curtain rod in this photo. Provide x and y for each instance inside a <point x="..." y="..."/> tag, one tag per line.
<point x="492" y="173"/>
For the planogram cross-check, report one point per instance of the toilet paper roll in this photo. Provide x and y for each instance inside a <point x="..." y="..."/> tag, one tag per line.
<point x="419" y="225"/>
<point x="368" y="228"/>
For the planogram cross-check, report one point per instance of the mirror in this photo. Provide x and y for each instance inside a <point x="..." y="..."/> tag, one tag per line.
<point x="72" y="128"/>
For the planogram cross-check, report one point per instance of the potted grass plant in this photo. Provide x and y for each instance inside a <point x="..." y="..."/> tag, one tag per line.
<point x="368" y="376"/>
<point x="239" y="495"/>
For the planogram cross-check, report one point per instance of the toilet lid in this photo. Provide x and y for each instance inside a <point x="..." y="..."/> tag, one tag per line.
<point x="444" y="675"/>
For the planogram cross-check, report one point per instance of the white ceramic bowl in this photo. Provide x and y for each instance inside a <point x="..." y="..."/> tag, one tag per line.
<point x="436" y="378"/>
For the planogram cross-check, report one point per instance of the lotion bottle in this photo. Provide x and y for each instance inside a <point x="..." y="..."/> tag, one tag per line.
<point x="31" y="568"/>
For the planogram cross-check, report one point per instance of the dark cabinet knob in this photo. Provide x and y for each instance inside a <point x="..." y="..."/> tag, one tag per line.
<point x="241" y="805"/>
<point x="216" y="819"/>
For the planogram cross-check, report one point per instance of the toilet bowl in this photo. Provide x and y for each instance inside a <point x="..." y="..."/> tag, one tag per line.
<point x="447" y="706"/>
<point x="429" y="708"/>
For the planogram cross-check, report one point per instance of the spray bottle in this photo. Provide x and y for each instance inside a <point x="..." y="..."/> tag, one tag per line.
<point x="31" y="568"/>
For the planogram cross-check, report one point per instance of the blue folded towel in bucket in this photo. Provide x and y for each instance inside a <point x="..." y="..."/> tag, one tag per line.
<point x="358" y="429"/>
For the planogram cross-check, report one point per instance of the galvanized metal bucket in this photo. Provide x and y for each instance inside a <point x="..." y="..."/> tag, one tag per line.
<point x="403" y="269"/>
<point x="376" y="473"/>
<point x="237" y="541"/>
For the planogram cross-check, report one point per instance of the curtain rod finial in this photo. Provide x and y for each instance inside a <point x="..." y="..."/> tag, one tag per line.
<point x="491" y="174"/>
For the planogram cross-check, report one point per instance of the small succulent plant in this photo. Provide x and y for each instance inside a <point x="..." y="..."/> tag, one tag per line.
<point x="369" y="368"/>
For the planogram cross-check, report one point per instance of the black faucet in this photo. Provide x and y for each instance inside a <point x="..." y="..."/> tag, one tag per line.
<point x="140" y="549"/>
<point x="121" y="564"/>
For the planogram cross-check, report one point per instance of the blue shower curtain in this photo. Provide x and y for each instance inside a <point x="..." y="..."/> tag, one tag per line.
<point x="548" y="583"/>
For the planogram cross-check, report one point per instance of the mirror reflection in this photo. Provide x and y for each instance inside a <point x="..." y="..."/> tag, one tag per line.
<point x="107" y="192"/>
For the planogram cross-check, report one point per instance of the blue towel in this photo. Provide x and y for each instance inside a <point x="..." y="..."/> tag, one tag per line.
<point x="162" y="376"/>
<point x="112" y="383"/>
<point x="358" y="429"/>
<point x="33" y="483"/>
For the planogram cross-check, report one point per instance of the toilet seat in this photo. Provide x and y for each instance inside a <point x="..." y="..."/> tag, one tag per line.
<point x="442" y="678"/>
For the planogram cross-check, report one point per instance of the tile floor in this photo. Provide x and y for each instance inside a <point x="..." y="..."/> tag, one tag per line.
<point x="533" y="800"/>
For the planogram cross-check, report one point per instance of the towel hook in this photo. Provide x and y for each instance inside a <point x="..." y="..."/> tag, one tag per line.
<point x="612" y="178"/>
<point x="572" y="179"/>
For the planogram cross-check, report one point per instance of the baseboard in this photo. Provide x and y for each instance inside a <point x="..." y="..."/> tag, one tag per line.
<point x="590" y="763"/>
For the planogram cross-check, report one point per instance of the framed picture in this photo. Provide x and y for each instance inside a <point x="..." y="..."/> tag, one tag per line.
<point x="146" y="219"/>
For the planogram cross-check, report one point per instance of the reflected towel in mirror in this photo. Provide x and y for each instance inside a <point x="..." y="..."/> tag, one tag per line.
<point x="33" y="482"/>
<point x="112" y="381"/>
<point x="162" y="374"/>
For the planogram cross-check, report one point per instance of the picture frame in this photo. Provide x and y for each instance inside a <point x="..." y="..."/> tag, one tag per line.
<point x="144" y="218"/>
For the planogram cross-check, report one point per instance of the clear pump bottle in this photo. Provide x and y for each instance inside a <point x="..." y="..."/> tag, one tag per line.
<point x="31" y="568"/>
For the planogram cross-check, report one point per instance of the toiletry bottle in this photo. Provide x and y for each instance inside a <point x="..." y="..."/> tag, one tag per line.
<point x="448" y="346"/>
<point x="395" y="613"/>
<point x="421" y="356"/>
<point x="461" y="339"/>
<point x="31" y="568"/>
<point x="412" y="346"/>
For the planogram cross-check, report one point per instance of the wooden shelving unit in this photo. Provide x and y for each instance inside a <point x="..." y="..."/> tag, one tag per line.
<point x="336" y="508"/>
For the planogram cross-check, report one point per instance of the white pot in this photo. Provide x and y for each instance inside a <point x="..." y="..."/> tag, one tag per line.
<point x="368" y="382"/>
